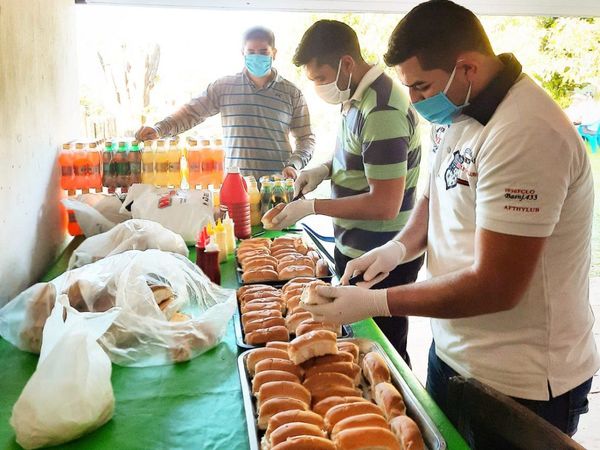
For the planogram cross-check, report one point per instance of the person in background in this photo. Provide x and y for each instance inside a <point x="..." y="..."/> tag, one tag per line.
<point x="375" y="166"/>
<point x="259" y="110"/>
<point x="506" y="223"/>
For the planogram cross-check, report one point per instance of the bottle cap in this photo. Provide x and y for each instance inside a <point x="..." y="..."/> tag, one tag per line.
<point x="219" y="226"/>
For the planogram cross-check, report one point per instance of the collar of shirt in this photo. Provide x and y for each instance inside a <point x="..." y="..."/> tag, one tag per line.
<point x="373" y="73"/>
<point x="482" y="108"/>
<point x="275" y="79"/>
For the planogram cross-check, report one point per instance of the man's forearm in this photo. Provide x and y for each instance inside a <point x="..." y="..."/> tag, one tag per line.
<point x="414" y="233"/>
<point x="360" y="207"/>
<point x="301" y="156"/>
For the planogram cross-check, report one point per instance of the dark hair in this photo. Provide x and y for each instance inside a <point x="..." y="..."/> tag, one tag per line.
<point x="327" y="41"/>
<point x="259" y="34"/>
<point x="436" y="32"/>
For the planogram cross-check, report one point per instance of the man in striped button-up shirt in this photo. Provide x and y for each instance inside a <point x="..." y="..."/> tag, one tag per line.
<point x="259" y="110"/>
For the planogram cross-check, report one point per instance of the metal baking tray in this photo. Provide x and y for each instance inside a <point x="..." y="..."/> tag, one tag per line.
<point x="431" y="435"/>
<point x="239" y="331"/>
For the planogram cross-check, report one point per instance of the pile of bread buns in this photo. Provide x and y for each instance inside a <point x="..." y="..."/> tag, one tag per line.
<point x="318" y="393"/>
<point x="270" y="314"/>
<point x="283" y="258"/>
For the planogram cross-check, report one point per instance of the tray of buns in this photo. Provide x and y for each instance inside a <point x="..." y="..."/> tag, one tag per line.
<point x="266" y="313"/>
<point x="322" y="393"/>
<point x="275" y="261"/>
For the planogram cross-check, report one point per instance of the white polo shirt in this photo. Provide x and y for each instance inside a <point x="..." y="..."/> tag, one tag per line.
<point x="523" y="171"/>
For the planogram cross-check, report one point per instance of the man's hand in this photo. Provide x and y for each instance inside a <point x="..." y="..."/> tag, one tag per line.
<point x="146" y="134"/>
<point x="309" y="179"/>
<point x="289" y="172"/>
<point x="292" y="213"/>
<point x="349" y="304"/>
<point x="376" y="264"/>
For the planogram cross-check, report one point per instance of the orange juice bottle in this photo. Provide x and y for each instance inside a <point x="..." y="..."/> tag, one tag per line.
<point x="194" y="160"/>
<point x="254" y="195"/>
<point x="80" y="164"/>
<point x="148" y="156"/>
<point x="218" y="157"/>
<point x="161" y="166"/>
<point x="174" y="159"/>
<point x="67" y="170"/>
<point x="207" y="163"/>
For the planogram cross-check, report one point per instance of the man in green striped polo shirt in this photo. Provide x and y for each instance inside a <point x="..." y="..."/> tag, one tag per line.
<point x="375" y="166"/>
<point x="259" y="110"/>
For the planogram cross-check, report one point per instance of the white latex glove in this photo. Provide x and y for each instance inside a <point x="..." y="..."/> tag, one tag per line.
<point x="309" y="179"/>
<point x="292" y="213"/>
<point x="376" y="264"/>
<point x="349" y="304"/>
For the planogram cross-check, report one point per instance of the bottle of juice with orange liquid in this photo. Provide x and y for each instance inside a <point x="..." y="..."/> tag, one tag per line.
<point x="218" y="159"/>
<point x="161" y="174"/>
<point x="174" y="159"/>
<point x="148" y="156"/>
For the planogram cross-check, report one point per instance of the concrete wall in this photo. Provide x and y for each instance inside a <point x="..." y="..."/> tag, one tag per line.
<point x="38" y="111"/>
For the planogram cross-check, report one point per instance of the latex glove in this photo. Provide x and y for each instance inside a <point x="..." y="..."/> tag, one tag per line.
<point x="376" y="264"/>
<point x="349" y="304"/>
<point x="309" y="179"/>
<point x="146" y="134"/>
<point x="292" y="213"/>
<point x="289" y="172"/>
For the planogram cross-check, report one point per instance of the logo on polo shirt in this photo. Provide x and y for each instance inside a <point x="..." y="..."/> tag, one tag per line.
<point x="438" y="137"/>
<point x="459" y="164"/>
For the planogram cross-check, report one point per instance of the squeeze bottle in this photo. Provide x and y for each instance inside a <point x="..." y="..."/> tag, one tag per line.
<point x="234" y="195"/>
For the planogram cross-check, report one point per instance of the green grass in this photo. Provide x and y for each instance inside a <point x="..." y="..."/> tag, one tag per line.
<point x="595" y="270"/>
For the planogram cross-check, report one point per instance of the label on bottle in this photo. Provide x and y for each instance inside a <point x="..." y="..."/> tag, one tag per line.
<point x="162" y="167"/>
<point x="66" y="171"/>
<point x="135" y="167"/>
<point x="174" y="166"/>
<point x="148" y="167"/>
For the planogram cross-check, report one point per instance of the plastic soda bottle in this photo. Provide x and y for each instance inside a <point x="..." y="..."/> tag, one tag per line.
<point x="134" y="157"/>
<point x="148" y="155"/>
<point x="254" y="195"/>
<point x="194" y="161"/>
<point x="207" y="163"/>
<point x="95" y="157"/>
<point x="234" y="195"/>
<point x="108" y="179"/>
<point x="80" y="166"/>
<point x="174" y="158"/>
<point x="122" y="166"/>
<point x="266" y="196"/>
<point x="161" y="165"/>
<point x="289" y="190"/>
<point x="218" y="159"/>
<point x="67" y="172"/>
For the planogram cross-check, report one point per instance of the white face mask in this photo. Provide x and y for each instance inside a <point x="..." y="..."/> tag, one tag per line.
<point x="331" y="93"/>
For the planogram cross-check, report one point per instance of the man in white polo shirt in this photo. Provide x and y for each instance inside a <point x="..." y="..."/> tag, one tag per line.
<point x="506" y="224"/>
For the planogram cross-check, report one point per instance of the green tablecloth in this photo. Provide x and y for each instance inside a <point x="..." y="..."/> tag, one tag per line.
<point x="192" y="405"/>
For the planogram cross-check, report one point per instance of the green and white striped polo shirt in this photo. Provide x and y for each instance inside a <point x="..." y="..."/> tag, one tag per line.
<point x="378" y="140"/>
<point x="257" y="122"/>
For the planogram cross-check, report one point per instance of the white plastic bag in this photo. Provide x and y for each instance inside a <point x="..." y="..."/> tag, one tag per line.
<point x="96" y="213"/>
<point x="185" y="212"/>
<point x="70" y="393"/>
<point x="134" y="234"/>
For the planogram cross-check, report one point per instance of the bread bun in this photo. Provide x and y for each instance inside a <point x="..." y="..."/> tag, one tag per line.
<point x="288" y="430"/>
<point x="389" y="400"/>
<point x="314" y="343"/>
<point x="267" y="219"/>
<point x="301" y="247"/>
<point x="254" y="325"/>
<point x="264" y="335"/>
<point x="288" y="389"/>
<point x="285" y="240"/>
<point x="294" y="416"/>
<point x="407" y="432"/>
<point x="367" y="438"/>
<point x="292" y="321"/>
<point x="322" y="269"/>
<point x="325" y="380"/>
<point x="254" y="287"/>
<point x="179" y="317"/>
<point x="259" y="275"/>
<point x="349" y="369"/>
<point x="243" y="254"/>
<point x="258" y="262"/>
<point x="293" y="304"/>
<point x="312" y="325"/>
<point x="276" y="405"/>
<point x="305" y="443"/>
<point x="284" y="252"/>
<point x="264" y="314"/>
<point x="350" y="347"/>
<point x="266" y="300"/>
<point x="310" y="296"/>
<point x="278" y="364"/>
<point x="280" y="345"/>
<point x="321" y="393"/>
<point x="260" y="294"/>
<point x="268" y="376"/>
<point x="340" y="412"/>
<point x="297" y="282"/>
<point x="328" y="359"/>
<point x="375" y="370"/>
<point x="259" y="354"/>
<point x="254" y="305"/>
<point x="327" y="403"/>
<point x="294" y="271"/>
<point x="255" y="241"/>
<point x="362" y="420"/>
<point x="293" y="261"/>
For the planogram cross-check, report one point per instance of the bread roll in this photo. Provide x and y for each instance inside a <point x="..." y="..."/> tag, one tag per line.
<point x="268" y="376"/>
<point x="284" y="240"/>
<point x="305" y="443"/>
<point x="255" y="315"/>
<point x="264" y="335"/>
<point x="254" y="305"/>
<point x="292" y="321"/>
<point x="327" y="359"/>
<point x="259" y="262"/>
<point x="293" y="304"/>
<point x="367" y="438"/>
<point x="301" y="247"/>
<point x="340" y="412"/>
<point x="280" y="345"/>
<point x="295" y="262"/>
<point x="362" y="420"/>
<point x="322" y="269"/>
<point x="287" y="389"/>
<point x="243" y="254"/>
<point x="350" y="347"/>
<point x="375" y="370"/>
<point x="407" y="432"/>
<point x="294" y="416"/>
<point x="288" y="430"/>
<point x="326" y="404"/>
<point x="294" y="271"/>
<point x="282" y="253"/>
<point x="311" y="325"/>
<point x="259" y="354"/>
<point x="349" y="369"/>
<point x="389" y="400"/>
<point x="259" y="275"/>
<point x="267" y="219"/>
<point x="179" y="317"/>
<point x="254" y="325"/>
<point x="314" y="343"/>
<point x="279" y="364"/>
<point x="255" y="241"/>
<point x="254" y="287"/>
<point x="275" y="405"/>
<point x="310" y="295"/>
<point x="321" y="393"/>
<point x="260" y="294"/>
<point x="265" y="300"/>
<point x="324" y="380"/>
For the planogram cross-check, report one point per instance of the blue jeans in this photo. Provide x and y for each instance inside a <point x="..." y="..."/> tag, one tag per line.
<point x="563" y="411"/>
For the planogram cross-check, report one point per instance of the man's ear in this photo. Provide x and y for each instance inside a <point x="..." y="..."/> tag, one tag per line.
<point x="274" y="53"/>
<point x="348" y="63"/>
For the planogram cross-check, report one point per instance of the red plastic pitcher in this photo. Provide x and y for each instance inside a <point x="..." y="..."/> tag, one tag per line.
<point x="234" y="195"/>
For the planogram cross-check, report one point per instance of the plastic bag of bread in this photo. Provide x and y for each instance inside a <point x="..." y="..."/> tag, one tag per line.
<point x="171" y="311"/>
<point x="70" y="393"/>
<point x="96" y="213"/>
<point x="134" y="234"/>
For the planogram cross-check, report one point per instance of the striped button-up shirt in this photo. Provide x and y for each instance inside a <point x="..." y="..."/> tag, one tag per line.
<point x="257" y="122"/>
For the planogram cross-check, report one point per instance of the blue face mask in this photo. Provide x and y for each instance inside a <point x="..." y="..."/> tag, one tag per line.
<point x="258" y="65"/>
<point x="439" y="108"/>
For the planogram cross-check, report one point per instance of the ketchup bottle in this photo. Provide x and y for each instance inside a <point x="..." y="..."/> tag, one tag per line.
<point x="234" y="195"/>
<point x="200" y="246"/>
<point x="209" y="262"/>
